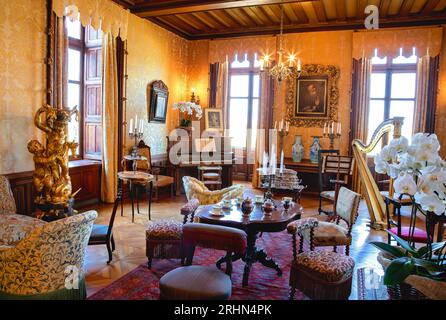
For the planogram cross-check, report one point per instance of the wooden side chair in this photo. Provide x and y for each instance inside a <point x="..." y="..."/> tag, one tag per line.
<point x="325" y="192"/>
<point x="103" y="234"/>
<point x="335" y="171"/>
<point x="333" y="233"/>
<point x="161" y="181"/>
<point x="211" y="176"/>
<point x="319" y="274"/>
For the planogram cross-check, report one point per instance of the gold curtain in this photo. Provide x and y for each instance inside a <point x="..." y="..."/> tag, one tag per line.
<point x="419" y="121"/>
<point x="265" y="122"/>
<point x="221" y="95"/>
<point x="109" y="119"/>
<point x="360" y="109"/>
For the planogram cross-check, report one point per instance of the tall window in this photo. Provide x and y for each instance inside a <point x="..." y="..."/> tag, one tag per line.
<point x="244" y="95"/>
<point x="85" y="88"/>
<point x="392" y="92"/>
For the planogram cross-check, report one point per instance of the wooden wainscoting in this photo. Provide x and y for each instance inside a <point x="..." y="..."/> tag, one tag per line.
<point x="85" y="174"/>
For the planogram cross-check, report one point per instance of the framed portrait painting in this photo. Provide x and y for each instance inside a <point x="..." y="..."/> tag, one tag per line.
<point x="312" y="98"/>
<point x="213" y="119"/>
<point x="157" y="104"/>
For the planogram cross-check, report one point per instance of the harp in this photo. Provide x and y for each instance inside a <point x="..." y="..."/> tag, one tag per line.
<point x="372" y="195"/>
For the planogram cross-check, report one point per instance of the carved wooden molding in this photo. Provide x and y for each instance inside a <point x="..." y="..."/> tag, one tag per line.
<point x="332" y="73"/>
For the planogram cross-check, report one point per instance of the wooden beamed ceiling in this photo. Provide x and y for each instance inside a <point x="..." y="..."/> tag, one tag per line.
<point x="204" y="19"/>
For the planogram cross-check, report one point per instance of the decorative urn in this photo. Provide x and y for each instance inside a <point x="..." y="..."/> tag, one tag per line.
<point x="268" y="207"/>
<point x="247" y="206"/>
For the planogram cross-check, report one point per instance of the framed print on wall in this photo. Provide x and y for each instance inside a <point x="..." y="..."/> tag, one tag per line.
<point x="312" y="99"/>
<point x="157" y="105"/>
<point x="213" y="119"/>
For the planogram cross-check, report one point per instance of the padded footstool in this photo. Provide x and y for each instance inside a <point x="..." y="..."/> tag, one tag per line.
<point x="164" y="240"/>
<point x="195" y="283"/>
<point x="322" y="275"/>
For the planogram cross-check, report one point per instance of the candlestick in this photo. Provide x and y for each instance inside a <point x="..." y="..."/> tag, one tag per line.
<point x="331" y="135"/>
<point x="281" y="162"/>
<point x="131" y="126"/>
<point x="136" y="122"/>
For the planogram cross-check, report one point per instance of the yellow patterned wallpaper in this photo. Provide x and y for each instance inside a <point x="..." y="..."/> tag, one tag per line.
<point x="22" y="78"/>
<point x="154" y="54"/>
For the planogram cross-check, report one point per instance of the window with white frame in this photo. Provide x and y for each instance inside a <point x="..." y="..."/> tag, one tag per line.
<point x="392" y="92"/>
<point x="244" y="100"/>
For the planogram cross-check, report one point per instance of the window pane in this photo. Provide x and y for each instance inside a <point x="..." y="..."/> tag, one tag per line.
<point x="379" y="61"/>
<point x="238" y="110"/>
<point x="254" y="122"/>
<point x="256" y="86"/>
<point x="403" y="109"/>
<point x="377" y="85"/>
<point x="403" y="85"/>
<point x="73" y="100"/>
<point x="73" y="28"/>
<point x="376" y="117"/>
<point x="403" y="60"/>
<point x="74" y="65"/>
<point x="239" y="86"/>
<point x="240" y="64"/>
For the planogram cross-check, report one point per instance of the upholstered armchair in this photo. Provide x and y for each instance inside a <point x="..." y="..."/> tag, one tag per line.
<point x="48" y="262"/>
<point x="7" y="202"/>
<point x="194" y="188"/>
<point x="337" y="232"/>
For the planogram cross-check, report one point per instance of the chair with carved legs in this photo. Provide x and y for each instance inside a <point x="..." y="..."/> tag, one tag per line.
<point x="334" y="233"/>
<point x="321" y="274"/>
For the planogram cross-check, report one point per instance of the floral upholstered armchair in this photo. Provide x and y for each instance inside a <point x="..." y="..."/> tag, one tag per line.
<point x="194" y="188"/>
<point x="48" y="262"/>
<point x="7" y="202"/>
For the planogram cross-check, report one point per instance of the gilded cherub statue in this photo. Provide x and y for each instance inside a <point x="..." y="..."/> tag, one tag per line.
<point x="51" y="177"/>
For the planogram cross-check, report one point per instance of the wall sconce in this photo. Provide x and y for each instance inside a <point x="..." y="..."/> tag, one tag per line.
<point x="194" y="99"/>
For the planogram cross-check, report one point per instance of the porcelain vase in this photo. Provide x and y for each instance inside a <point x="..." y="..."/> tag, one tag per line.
<point x="314" y="150"/>
<point x="298" y="149"/>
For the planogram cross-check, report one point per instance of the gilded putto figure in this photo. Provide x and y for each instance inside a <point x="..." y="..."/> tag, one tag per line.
<point x="51" y="179"/>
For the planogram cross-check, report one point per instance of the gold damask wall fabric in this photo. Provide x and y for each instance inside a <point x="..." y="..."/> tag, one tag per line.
<point x="22" y="78"/>
<point x="38" y="264"/>
<point x="100" y="14"/>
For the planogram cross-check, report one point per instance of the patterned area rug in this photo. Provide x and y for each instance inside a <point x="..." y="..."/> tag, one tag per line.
<point x="264" y="283"/>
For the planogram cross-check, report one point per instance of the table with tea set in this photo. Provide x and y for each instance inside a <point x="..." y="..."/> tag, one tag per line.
<point x="254" y="217"/>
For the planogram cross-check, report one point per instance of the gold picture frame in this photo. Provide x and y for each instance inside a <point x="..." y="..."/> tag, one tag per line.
<point x="323" y="80"/>
<point x="213" y="119"/>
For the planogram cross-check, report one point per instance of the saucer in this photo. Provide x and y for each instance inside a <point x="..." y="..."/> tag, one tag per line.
<point x="217" y="214"/>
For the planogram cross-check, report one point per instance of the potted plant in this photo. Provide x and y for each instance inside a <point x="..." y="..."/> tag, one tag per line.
<point x="419" y="172"/>
<point x="188" y="110"/>
<point x="406" y="267"/>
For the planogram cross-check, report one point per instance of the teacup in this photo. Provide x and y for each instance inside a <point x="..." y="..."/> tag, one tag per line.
<point x="240" y="200"/>
<point x="227" y="203"/>
<point x="216" y="209"/>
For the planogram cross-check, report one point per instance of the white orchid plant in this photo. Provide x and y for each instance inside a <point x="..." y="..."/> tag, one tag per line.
<point x="417" y="170"/>
<point x="188" y="109"/>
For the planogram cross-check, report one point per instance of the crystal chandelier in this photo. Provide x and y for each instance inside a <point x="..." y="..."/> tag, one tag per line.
<point x="282" y="70"/>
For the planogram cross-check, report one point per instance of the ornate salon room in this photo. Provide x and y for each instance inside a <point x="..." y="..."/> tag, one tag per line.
<point x="223" y="150"/>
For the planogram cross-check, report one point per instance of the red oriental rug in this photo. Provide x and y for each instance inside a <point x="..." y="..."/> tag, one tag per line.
<point x="264" y="283"/>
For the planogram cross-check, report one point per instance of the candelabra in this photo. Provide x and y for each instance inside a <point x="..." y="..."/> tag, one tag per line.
<point x="332" y="136"/>
<point x="135" y="134"/>
<point x="329" y="132"/>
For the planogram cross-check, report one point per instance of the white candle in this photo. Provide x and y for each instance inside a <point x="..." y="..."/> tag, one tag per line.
<point x="281" y="162"/>
<point x="281" y="125"/>
<point x="339" y="128"/>
<point x="131" y="126"/>
<point x="325" y="128"/>
<point x="275" y="125"/>
<point x="141" y="126"/>
<point x="136" y="123"/>
<point x="332" y="127"/>
<point x="287" y="126"/>
<point x="299" y="65"/>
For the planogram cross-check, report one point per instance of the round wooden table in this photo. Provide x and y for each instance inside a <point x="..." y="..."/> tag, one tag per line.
<point x="135" y="178"/>
<point x="253" y="224"/>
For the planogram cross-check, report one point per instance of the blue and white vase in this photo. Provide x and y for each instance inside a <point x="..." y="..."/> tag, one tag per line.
<point x="314" y="150"/>
<point x="298" y="149"/>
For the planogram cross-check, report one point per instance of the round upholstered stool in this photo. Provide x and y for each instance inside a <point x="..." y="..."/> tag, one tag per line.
<point x="163" y="240"/>
<point x="195" y="283"/>
<point x="322" y="275"/>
